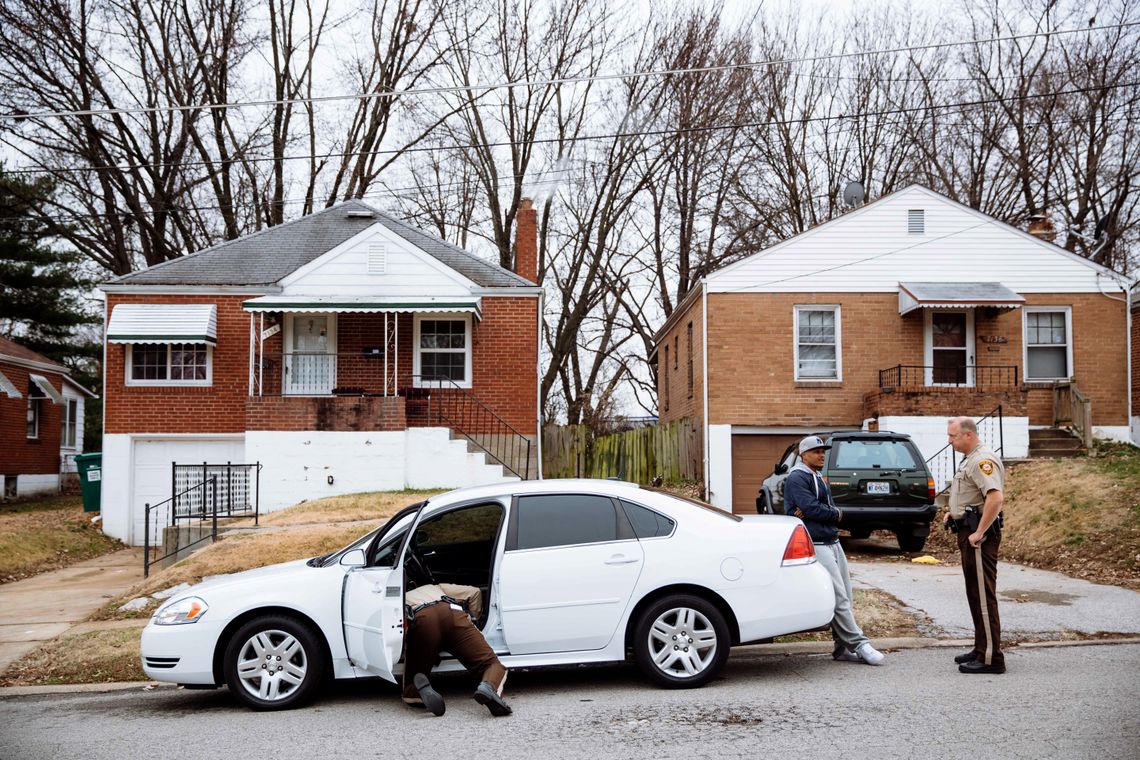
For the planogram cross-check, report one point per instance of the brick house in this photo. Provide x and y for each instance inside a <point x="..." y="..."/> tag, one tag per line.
<point x="346" y="351"/>
<point x="41" y="421"/>
<point x="910" y="309"/>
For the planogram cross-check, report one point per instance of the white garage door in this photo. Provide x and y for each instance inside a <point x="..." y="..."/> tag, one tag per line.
<point x="152" y="469"/>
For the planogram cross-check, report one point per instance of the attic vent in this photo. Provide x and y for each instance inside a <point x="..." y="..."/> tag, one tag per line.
<point x="360" y="214"/>
<point x="916" y="221"/>
<point x="377" y="258"/>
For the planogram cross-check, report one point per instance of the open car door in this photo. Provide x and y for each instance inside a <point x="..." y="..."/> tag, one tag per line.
<point x="372" y="601"/>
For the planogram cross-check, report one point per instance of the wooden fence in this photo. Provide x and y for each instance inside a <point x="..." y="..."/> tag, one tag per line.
<point x="674" y="451"/>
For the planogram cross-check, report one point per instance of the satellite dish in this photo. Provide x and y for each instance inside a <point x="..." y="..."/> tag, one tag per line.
<point x="1101" y="226"/>
<point x="853" y="194"/>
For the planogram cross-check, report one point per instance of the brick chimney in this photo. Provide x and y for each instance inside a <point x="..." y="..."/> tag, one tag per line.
<point x="526" y="241"/>
<point x="1040" y="225"/>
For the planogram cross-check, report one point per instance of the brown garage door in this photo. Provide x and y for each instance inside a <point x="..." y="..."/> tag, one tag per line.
<point x="753" y="459"/>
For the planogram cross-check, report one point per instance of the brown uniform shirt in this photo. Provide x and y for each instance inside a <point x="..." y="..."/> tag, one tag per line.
<point x="980" y="473"/>
<point x="470" y="596"/>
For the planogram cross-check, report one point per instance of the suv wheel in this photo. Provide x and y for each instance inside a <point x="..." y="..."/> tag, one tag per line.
<point x="909" y="542"/>
<point x="763" y="507"/>
<point x="860" y="532"/>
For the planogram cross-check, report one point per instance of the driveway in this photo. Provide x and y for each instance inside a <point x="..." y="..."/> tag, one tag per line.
<point x="1035" y="604"/>
<point x="40" y="608"/>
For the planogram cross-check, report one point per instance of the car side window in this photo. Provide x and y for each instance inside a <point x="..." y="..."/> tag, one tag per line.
<point x="646" y="523"/>
<point x="565" y="520"/>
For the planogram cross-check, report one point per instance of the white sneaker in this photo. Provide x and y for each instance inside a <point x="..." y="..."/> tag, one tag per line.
<point x="845" y="655"/>
<point x="869" y="654"/>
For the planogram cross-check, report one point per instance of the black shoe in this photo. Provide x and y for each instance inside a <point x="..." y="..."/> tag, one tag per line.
<point x="967" y="657"/>
<point x="432" y="700"/>
<point x="486" y="695"/>
<point x="977" y="666"/>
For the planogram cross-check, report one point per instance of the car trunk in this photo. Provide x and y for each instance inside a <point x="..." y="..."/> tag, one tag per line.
<point x="877" y="472"/>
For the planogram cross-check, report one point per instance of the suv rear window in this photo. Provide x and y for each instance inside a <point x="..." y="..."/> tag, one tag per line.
<point x="873" y="454"/>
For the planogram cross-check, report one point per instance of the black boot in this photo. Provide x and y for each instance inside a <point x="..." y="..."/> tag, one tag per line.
<point x="432" y="699"/>
<point x="486" y="695"/>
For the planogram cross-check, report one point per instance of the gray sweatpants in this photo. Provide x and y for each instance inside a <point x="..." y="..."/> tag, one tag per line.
<point x="844" y="629"/>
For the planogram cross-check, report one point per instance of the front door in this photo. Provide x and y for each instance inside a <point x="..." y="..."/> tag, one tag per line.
<point x="950" y="348"/>
<point x="310" y="361"/>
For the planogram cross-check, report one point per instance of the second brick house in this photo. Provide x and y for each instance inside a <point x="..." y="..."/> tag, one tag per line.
<point x="346" y="351"/>
<point x="910" y="309"/>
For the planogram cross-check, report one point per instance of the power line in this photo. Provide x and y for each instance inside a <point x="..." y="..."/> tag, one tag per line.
<point x="573" y="139"/>
<point x="16" y="116"/>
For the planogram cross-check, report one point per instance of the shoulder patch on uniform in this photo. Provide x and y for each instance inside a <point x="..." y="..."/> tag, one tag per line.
<point x="986" y="466"/>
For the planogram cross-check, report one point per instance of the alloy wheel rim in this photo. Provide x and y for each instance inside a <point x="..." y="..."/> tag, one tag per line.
<point x="682" y="642"/>
<point x="272" y="665"/>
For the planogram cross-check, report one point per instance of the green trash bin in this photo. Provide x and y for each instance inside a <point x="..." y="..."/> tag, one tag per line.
<point x="90" y="478"/>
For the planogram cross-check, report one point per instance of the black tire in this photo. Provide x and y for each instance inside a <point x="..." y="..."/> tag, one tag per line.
<point x="860" y="532"/>
<point x="909" y="542"/>
<point x="709" y="626"/>
<point x="762" y="505"/>
<point x="287" y="689"/>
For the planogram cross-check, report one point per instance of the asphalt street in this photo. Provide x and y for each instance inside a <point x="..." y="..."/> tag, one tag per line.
<point x="1063" y="702"/>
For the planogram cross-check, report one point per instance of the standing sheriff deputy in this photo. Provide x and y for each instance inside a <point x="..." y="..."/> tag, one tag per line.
<point x="975" y="515"/>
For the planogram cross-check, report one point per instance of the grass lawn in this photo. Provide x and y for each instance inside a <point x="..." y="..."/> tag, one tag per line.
<point x="37" y="535"/>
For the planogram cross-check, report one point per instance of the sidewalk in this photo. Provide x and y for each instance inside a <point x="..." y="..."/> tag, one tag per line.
<point x="38" y="609"/>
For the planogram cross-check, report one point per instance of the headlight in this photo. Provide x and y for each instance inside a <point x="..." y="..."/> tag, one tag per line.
<point x="188" y="610"/>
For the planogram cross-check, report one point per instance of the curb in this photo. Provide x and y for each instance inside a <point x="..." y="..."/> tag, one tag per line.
<point x="743" y="652"/>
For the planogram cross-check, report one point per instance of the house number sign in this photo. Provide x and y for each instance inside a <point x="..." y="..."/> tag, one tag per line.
<point x="994" y="339"/>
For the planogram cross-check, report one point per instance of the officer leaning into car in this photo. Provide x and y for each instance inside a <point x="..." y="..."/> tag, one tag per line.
<point x="439" y="618"/>
<point x="976" y="497"/>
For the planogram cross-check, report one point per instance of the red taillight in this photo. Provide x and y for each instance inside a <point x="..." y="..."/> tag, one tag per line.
<point x="800" y="550"/>
<point x="930" y="492"/>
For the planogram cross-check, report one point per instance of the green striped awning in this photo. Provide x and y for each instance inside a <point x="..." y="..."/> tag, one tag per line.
<point x="366" y="305"/>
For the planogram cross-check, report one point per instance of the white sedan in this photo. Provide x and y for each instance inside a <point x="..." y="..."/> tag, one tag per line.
<point x="572" y="571"/>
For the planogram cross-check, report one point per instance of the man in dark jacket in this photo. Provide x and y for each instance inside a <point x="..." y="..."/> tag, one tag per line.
<point x="808" y="497"/>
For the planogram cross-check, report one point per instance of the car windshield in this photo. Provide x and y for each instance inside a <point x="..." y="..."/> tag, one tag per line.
<point x="332" y="558"/>
<point x="697" y="503"/>
<point x="873" y="454"/>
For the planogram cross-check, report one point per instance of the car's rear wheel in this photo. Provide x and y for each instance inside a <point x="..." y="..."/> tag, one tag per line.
<point x="681" y="641"/>
<point x="274" y="662"/>
<point x="909" y="542"/>
<point x="860" y="532"/>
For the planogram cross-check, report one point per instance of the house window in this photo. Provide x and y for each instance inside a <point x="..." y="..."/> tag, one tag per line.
<point x="35" y="410"/>
<point x="689" y="348"/>
<point x="1048" y="343"/>
<point x="70" y="415"/>
<point x="169" y="364"/>
<point x="817" y="346"/>
<point x="443" y="350"/>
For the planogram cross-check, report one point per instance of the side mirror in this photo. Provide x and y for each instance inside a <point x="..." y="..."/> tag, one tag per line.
<point x="781" y="468"/>
<point x="354" y="558"/>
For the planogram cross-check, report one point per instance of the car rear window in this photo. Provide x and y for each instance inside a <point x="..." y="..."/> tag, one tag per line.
<point x="874" y="454"/>
<point x="646" y="523"/>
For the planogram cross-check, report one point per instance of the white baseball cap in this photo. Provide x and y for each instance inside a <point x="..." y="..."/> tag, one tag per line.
<point x="813" y="442"/>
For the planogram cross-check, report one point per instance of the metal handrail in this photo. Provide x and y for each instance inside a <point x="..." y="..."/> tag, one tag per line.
<point x="147" y="508"/>
<point x="935" y="464"/>
<point x="915" y="376"/>
<point x="466" y="414"/>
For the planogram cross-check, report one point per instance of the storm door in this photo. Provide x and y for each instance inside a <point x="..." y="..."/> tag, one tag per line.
<point x="950" y="348"/>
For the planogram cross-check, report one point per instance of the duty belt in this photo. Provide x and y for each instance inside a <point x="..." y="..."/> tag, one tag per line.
<point x="455" y="604"/>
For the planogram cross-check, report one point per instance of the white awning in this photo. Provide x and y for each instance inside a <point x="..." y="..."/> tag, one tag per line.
<point x="48" y="389"/>
<point x="956" y="295"/>
<point x="8" y="387"/>
<point x="163" y="323"/>
<point x="361" y="304"/>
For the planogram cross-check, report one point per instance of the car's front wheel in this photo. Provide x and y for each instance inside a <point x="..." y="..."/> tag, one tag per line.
<point x="681" y="641"/>
<point x="274" y="662"/>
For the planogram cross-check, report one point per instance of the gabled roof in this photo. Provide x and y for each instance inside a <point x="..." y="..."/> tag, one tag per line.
<point x="12" y="349"/>
<point x="268" y="256"/>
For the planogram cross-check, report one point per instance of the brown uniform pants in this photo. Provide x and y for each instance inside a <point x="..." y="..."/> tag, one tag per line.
<point x="440" y="628"/>
<point x="979" y="567"/>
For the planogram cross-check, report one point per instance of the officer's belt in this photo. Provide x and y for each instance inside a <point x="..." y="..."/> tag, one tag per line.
<point x="411" y="611"/>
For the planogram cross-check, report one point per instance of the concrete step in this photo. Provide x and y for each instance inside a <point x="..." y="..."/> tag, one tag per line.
<point x="1050" y="434"/>
<point x="1054" y="453"/>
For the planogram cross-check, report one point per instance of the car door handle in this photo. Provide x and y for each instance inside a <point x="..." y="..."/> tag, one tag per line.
<point x="620" y="559"/>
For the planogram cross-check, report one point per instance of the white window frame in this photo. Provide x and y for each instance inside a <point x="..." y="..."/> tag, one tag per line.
<point x="1068" y="312"/>
<point x="838" y="342"/>
<point x="129" y="363"/>
<point x="69" y="421"/>
<point x="36" y="403"/>
<point x="419" y="382"/>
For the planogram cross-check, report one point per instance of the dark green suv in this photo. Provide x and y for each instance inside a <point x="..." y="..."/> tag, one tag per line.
<point x="879" y="481"/>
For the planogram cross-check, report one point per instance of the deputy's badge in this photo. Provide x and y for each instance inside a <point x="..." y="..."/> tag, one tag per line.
<point x="986" y="466"/>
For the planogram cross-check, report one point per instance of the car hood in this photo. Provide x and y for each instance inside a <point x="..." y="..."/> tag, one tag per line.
<point x="276" y="574"/>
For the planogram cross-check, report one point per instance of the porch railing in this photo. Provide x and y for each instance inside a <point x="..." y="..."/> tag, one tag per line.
<point x="944" y="464"/>
<point x="981" y="377"/>
<point x="1073" y="408"/>
<point x="441" y="401"/>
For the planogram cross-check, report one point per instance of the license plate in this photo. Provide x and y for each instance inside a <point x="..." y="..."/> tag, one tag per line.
<point x="879" y="487"/>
